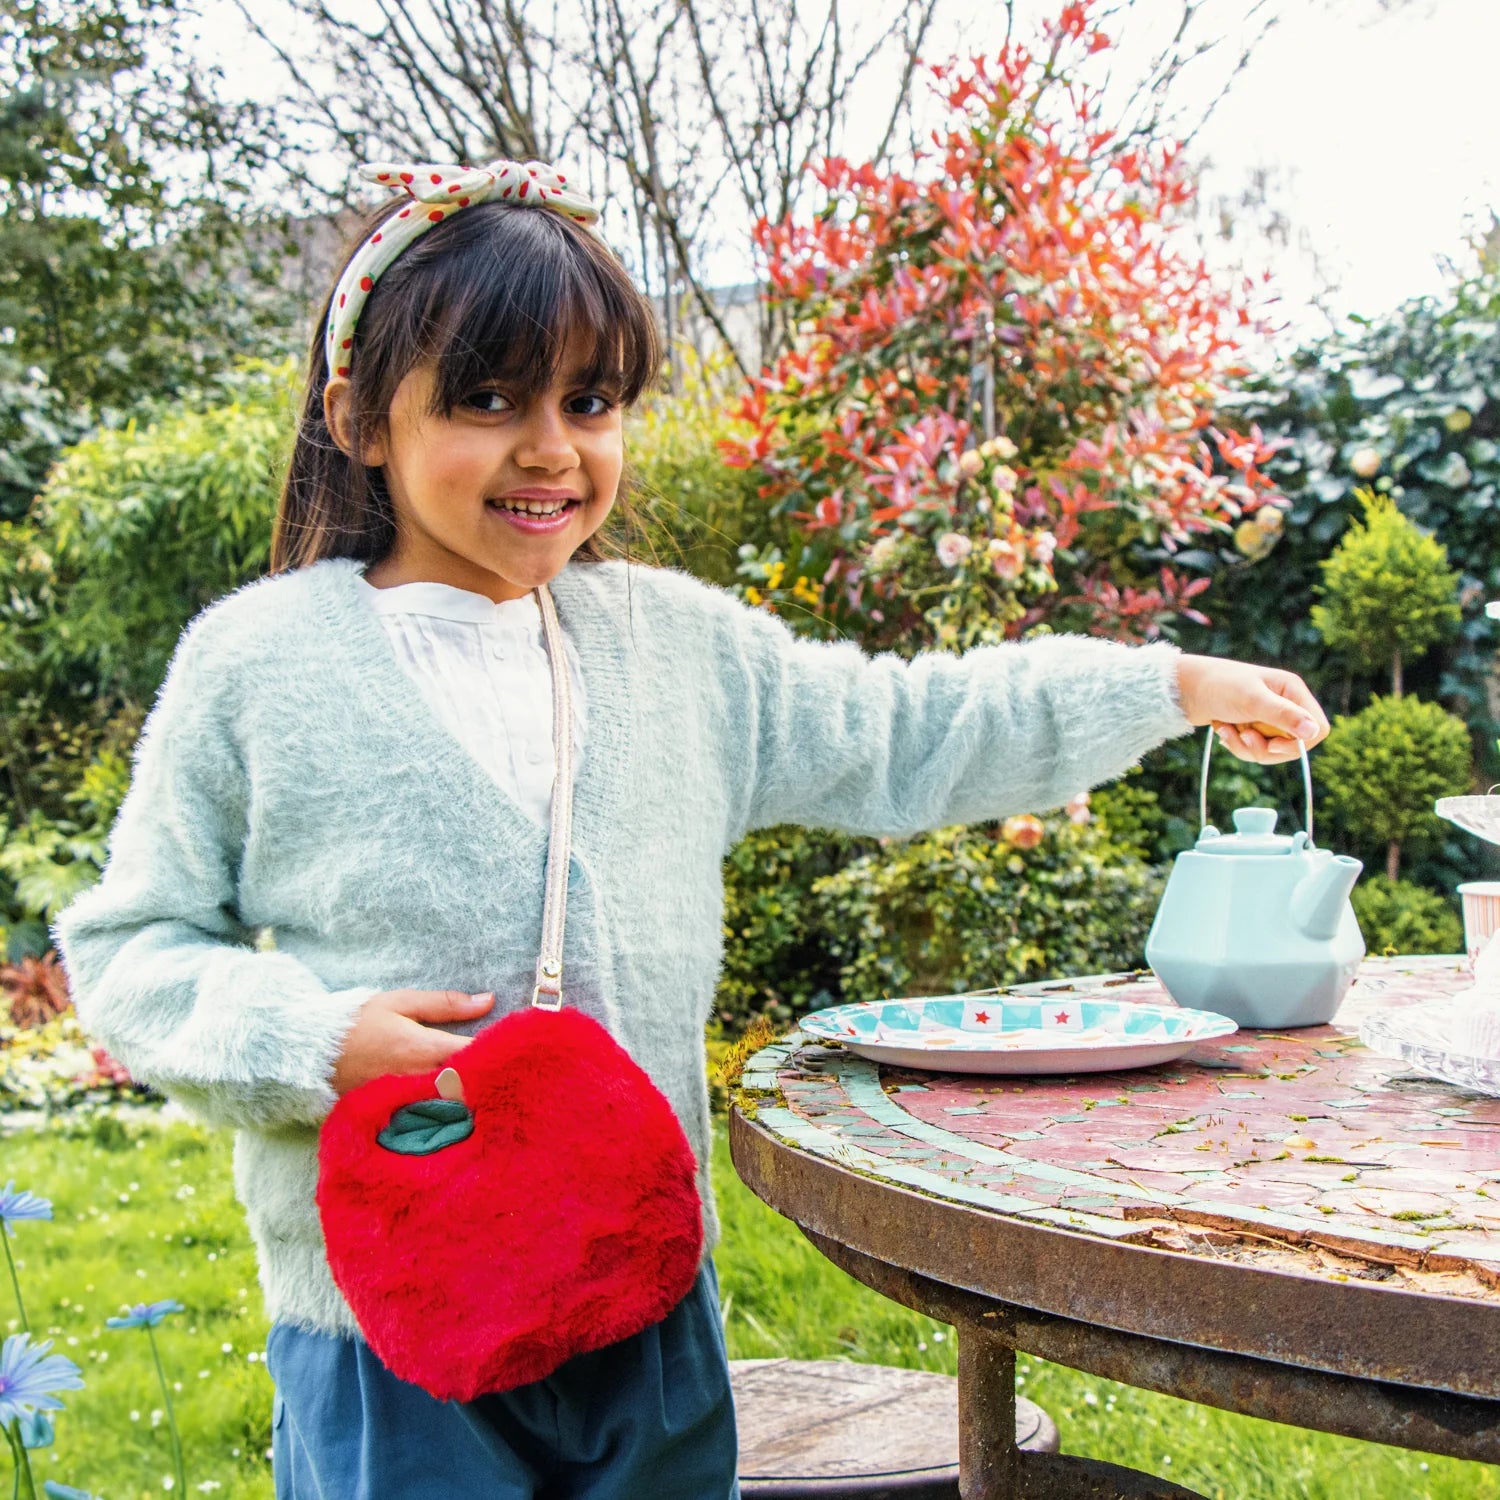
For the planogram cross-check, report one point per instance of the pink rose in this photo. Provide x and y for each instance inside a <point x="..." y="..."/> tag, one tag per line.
<point x="1005" y="560"/>
<point x="952" y="548"/>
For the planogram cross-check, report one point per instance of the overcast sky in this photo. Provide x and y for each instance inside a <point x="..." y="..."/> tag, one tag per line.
<point x="1378" y="129"/>
<point x="1382" y="136"/>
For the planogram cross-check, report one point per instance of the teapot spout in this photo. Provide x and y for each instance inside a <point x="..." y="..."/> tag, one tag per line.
<point x="1318" y="898"/>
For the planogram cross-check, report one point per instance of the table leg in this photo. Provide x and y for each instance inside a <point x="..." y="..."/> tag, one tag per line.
<point x="989" y="1462"/>
<point x="991" y="1467"/>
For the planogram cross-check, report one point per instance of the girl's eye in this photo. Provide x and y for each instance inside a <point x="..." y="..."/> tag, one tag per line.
<point x="595" y="402"/>
<point x="491" y="401"/>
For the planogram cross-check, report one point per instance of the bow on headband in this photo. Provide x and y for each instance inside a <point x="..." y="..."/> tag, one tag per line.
<point x="437" y="191"/>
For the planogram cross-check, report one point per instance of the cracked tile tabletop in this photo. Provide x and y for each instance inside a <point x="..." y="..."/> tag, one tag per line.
<point x="1299" y="1150"/>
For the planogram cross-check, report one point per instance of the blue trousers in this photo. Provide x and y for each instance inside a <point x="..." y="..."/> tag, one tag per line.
<point x="648" y="1418"/>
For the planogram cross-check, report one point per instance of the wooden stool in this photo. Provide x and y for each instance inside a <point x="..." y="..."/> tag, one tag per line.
<point x="839" y="1431"/>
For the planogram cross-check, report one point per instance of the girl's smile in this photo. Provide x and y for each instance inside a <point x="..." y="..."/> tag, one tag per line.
<point x="536" y="509"/>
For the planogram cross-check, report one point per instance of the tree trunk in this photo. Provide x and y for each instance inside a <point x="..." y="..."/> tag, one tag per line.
<point x="1393" y="860"/>
<point x="1396" y="675"/>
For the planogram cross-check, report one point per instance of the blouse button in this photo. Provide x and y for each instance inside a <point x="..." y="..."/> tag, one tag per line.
<point x="534" y="755"/>
<point x="499" y="651"/>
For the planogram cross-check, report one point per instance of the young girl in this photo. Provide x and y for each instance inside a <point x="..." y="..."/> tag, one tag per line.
<point x="330" y="863"/>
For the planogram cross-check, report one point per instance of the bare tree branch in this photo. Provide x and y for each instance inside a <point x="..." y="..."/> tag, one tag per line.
<point x="691" y="119"/>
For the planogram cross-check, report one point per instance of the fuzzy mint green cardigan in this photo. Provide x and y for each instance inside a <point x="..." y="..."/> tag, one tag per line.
<point x="291" y="777"/>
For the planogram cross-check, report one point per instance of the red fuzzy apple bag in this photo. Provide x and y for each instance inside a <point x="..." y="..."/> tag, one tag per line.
<point x="484" y="1228"/>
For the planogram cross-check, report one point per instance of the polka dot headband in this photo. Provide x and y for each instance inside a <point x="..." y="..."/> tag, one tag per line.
<point x="437" y="191"/>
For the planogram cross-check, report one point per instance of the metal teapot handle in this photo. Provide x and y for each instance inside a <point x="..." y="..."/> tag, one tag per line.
<point x="1208" y="750"/>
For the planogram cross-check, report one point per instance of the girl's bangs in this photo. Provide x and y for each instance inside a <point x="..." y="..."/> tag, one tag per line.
<point x="511" y="302"/>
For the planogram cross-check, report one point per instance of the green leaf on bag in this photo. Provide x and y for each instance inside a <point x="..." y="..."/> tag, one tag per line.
<point x="427" y="1126"/>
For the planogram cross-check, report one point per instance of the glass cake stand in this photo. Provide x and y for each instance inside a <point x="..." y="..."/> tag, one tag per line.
<point x="1477" y="815"/>
<point x="1422" y="1035"/>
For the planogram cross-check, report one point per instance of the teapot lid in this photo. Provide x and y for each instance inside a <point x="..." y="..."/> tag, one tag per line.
<point x="1254" y="833"/>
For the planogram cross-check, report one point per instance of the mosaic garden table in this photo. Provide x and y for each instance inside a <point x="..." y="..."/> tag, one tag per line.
<point x="1281" y="1223"/>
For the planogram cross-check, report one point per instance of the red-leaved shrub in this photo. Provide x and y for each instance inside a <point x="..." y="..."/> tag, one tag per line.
<point x="1000" y="409"/>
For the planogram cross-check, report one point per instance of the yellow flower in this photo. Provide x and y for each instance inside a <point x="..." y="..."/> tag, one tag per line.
<point x="774" y="577"/>
<point x="753" y="595"/>
<point x="1251" y="539"/>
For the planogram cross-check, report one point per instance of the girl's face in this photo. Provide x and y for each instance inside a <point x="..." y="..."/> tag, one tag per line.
<point x="467" y="488"/>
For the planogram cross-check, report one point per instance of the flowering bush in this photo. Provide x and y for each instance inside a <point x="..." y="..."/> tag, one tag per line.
<point x="55" y="1067"/>
<point x="1001" y="407"/>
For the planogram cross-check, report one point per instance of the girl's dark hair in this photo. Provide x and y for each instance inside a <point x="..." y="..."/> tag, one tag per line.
<point x="494" y="293"/>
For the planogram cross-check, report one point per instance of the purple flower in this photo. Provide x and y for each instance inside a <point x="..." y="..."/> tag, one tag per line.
<point x="29" y="1376"/>
<point x="145" y="1314"/>
<point x="22" y="1205"/>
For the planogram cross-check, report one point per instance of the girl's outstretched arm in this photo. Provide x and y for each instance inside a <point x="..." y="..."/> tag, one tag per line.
<point x="835" y="738"/>
<point x="162" y="971"/>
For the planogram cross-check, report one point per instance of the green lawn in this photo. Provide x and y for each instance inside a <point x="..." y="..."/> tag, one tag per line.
<point x="146" y="1214"/>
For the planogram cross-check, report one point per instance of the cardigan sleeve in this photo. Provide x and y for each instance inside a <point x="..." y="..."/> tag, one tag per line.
<point x="162" y="971"/>
<point x="836" y="738"/>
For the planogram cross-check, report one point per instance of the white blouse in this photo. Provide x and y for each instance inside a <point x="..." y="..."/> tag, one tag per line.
<point x="483" y="668"/>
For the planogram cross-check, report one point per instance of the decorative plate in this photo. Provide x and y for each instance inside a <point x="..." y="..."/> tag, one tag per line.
<point x="1422" y="1036"/>
<point x="1014" y="1033"/>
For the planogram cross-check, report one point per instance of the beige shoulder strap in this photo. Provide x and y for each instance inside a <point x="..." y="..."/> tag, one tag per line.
<point x="548" y="991"/>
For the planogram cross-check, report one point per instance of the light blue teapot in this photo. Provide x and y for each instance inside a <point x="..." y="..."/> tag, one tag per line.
<point x="1257" y="925"/>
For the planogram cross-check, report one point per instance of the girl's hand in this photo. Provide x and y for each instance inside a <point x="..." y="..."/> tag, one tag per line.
<point x="393" y="1034"/>
<point x="1259" y="713"/>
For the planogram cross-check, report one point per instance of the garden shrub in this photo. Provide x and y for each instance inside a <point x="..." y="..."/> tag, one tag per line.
<point x="1381" y="770"/>
<point x="777" y="961"/>
<point x="1408" y="404"/>
<point x="695" y="510"/>
<point x="1399" y="916"/>
<point x="971" y="908"/>
<point x="1388" y="593"/>
<point x="815" y="918"/>
<point x="79" y="775"/>
<point x="1002" y="409"/>
<point x="1389" y="596"/>
<point x="144" y="525"/>
<point x="1133" y="814"/>
<point x="33" y="991"/>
